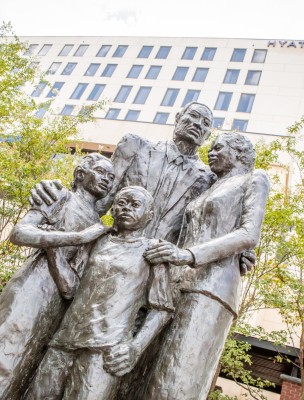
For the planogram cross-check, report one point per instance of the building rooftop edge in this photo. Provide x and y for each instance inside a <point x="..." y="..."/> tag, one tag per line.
<point x="160" y="37"/>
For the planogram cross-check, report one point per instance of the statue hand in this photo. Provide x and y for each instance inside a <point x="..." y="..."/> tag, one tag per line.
<point x="45" y="192"/>
<point x="49" y="228"/>
<point x="168" y="252"/>
<point x="247" y="261"/>
<point x="93" y="232"/>
<point x="120" y="359"/>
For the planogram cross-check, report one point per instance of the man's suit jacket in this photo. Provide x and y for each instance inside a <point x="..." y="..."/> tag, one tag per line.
<point x="140" y="162"/>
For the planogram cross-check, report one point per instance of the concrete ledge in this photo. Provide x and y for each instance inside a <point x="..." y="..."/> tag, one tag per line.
<point x="288" y="378"/>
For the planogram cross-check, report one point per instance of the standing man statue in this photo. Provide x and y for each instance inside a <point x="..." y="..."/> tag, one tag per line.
<point x="171" y="171"/>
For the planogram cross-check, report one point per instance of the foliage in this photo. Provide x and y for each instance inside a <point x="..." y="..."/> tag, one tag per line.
<point x="277" y="281"/>
<point x="31" y="148"/>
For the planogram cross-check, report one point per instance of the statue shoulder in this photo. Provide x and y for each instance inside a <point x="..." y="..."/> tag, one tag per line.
<point x="260" y="176"/>
<point x="130" y="144"/>
<point x="206" y="173"/>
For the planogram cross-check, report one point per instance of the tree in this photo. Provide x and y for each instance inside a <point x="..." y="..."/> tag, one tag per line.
<point x="31" y="148"/>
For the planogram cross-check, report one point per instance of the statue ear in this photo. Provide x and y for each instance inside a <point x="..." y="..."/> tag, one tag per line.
<point x="79" y="174"/>
<point x="243" y="159"/>
<point x="177" y="117"/>
<point x="151" y="214"/>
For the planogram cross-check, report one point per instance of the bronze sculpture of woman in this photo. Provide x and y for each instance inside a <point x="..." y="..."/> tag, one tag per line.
<point x="220" y="224"/>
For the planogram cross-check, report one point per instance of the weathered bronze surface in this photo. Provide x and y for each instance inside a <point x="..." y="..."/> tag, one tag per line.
<point x="220" y="224"/>
<point x="204" y="217"/>
<point x="31" y="306"/>
<point x="94" y="345"/>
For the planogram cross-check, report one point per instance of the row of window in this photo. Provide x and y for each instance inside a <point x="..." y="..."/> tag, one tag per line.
<point x="222" y="102"/>
<point x="160" y="117"/>
<point x="200" y="74"/>
<point x="245" y="103"/>
<point x="237" y="124"/>
<point x="238" y="55"/>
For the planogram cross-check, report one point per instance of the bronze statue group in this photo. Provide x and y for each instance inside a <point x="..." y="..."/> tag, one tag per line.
<point x="140" y="310"/>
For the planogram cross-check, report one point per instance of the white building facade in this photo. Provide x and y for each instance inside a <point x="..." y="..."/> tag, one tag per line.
<point x="252" y="85"/>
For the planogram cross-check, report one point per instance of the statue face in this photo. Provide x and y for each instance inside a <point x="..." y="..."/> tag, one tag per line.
<point x="131" y="210"/>
<point x="221" y="157"/>
<point x="194" y="125"/>
<point x="98" y="180"/>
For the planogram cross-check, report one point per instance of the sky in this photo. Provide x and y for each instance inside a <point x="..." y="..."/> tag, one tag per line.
<point x="257" y="19"/>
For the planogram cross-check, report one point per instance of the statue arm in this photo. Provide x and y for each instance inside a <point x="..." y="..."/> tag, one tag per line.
<point x="247" y="236"/>
<point x="28" y="233"/>
<point x="125" y="151"/>
<point x="120" y="359"/>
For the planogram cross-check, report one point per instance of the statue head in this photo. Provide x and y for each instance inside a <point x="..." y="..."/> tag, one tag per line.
<point x="231" y="150"/>
<point x="193" y="123"/>
<point x="95" y="174"/>
<point x="132" y="208"/>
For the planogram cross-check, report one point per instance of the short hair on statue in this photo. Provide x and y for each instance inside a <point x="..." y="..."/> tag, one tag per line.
<point x="185" y="108"/>
<point x="243" y="146"/>
<point x="148" y="196"/>
<point x="86" y="163"/>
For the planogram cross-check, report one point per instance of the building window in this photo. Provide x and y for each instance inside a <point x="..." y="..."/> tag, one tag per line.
<point x="259" y="56"/>
<point x="39" y="89"/>
<point x="231" y="76"/>
<point x="42" y="111"/>
<point x="53" y="68"/>
<point x="180" y="73"/>
<point x="161" y="118"/>
<point x="208" y="54"/>
<point x="145" y="52"/>
<point x="109" y="70"/>
<point x="142" y="95"/>
<point x="170" y="97"/>
<point x="103" y="51"/>
<point x="69" y="68"/>
<point x="153" y="72"/>
<point x="253" y="77"/>
<point x="163" y="52"/>
<point x="120" y="51"/>
<point x="189" y="53"/>
<point x="132" y="115"/>
<point x="191" y="95"/>
<point x="239" y="125"/>
<point x="55" y="89"/>
<point x="67" y="109"/>
<point x="96" y="92"/>
<point x="218" y="122"/>
<point x="238" y="55"/>
<point x="223" y="101"/>
<point x="245" y="103"/>
<point x="123" y="94"/>
<point x="200" y="75"/>
<point x="79" y="90"/>
<point x="112" y="113"/>
<point x="81" y="50"/>
<point x="66" y="50"/>
<point x="44" y="49"/>
<point x="91" y="71"/>
<point x="31" y="49"/>
<point x="135" y="71"/>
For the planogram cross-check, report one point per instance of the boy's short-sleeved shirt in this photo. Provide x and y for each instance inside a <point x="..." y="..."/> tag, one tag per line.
<point x="118" y="282"/>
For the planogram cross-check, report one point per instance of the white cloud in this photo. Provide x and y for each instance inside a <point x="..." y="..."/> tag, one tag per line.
<point x="215" y="18"/>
